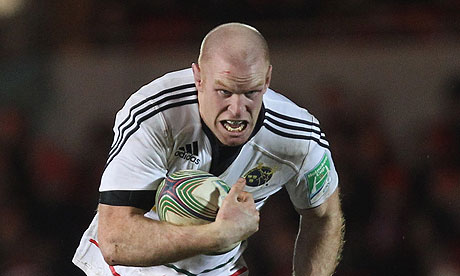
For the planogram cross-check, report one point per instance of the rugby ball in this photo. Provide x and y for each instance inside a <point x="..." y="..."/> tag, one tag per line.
<point x="190" y="197"/>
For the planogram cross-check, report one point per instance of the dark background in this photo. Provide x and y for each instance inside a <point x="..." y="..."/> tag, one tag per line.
<point x="383" y="77"/>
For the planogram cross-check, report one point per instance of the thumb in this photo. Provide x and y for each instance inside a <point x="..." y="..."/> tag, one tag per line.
<point x="237" y="188"/>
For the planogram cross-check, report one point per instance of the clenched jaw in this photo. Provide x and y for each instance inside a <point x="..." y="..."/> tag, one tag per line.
<point x="234" y="125"/>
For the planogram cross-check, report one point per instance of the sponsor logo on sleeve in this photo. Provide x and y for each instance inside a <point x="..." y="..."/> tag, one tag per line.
<point x="318" y="179"/>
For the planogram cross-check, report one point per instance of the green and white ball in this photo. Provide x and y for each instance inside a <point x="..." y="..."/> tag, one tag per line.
<point x="190" y="197"/>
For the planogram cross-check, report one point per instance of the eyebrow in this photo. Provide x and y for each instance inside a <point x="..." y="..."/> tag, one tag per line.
<point x="220" y="83"/>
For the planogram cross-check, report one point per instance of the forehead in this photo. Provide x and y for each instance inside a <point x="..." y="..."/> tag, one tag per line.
<point x="234" y="82"/>
<point x="230" y="73"/>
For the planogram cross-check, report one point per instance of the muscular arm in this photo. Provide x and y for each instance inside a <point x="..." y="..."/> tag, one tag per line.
<point x="126" y="237"/>
<point x="320" y="239"/>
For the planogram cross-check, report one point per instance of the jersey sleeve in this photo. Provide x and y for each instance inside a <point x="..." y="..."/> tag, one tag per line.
<point x="317" y="178"/>
<point x="138" y="156"/>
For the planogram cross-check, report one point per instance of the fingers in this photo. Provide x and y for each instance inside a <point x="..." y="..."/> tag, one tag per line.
<point x="237" y="188"/>
<point x="237" y="192"/>
<point x="238" y="216"/>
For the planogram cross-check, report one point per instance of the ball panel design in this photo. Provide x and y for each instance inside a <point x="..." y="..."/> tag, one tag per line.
<point x="190" y="197"/>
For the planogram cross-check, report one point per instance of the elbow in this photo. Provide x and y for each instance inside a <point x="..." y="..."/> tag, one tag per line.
<point x="113" y="234"/>
<point x="109" y="250"/>
<point x="109" y="255"/>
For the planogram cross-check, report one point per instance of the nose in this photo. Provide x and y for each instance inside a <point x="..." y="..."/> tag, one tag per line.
<point x="237" y="105"/>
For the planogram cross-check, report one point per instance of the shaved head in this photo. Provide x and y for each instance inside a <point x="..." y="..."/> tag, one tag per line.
<point x="231" y="77"/>
<point x="236" y="43"/>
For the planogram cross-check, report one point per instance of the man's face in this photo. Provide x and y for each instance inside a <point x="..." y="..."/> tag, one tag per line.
<point x="230" y="97"/>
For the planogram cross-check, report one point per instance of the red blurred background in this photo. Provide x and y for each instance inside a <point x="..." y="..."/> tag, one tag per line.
<point x="383" y="77"/>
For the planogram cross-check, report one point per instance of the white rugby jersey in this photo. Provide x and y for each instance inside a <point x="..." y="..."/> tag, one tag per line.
<point x="159" y="130"/>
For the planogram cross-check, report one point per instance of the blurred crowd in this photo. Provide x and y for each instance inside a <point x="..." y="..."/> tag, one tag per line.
<point x="47" y="197"/>
<point x="403" y="218"/>
<point x="45" y="25"/>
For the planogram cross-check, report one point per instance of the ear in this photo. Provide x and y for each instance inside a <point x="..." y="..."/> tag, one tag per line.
<point x="197" y="75"/>
<point x="268" y="78"/>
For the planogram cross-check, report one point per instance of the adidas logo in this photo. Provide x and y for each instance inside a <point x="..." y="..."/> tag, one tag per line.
<point x="189" y="152"/>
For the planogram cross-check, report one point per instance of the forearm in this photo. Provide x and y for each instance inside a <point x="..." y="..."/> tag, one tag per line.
<point x="126" y="237"/>
<point x="139" y="241"/>
<point x="317" y="252"/>
<point x="319" y="241"/>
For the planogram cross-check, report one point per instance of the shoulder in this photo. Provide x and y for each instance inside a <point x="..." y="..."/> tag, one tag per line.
<point x="166" y="86"/>
<point x="279" y="105"/>
<point x="290" y="125"/>
<point x="169" y="96"/>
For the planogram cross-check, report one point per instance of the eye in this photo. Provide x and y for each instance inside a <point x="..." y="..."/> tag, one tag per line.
<point x="224" y="92"/>
<point x="251" y="94"/>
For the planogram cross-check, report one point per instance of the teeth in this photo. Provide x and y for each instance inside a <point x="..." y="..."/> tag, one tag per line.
<point x="234" y="126"/>
<point x="234" y="122"/>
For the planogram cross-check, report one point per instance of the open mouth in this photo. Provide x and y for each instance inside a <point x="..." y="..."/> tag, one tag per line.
<point x="234" y="125"/>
